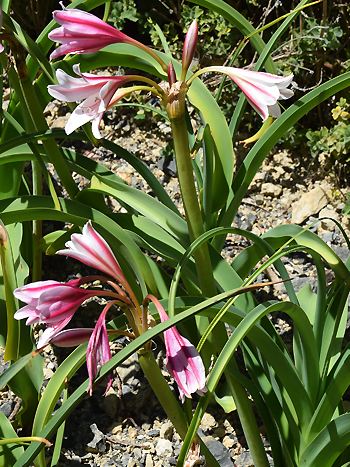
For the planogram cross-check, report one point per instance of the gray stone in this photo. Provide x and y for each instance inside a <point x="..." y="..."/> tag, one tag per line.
<point x="327" y="237"/>
<point x="221" y="454"/>
<point x="125" y="460"/>
<point x="98" y="442"/>
<point x="244" y="460"/>
<point x="6" y="408"/>
<point x="153" y="432"/>
<point x="342" y="252"/>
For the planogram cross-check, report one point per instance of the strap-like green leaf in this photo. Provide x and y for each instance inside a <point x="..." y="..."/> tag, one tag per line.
<point x="9" y="453"/>
<point x="328" y="445"/>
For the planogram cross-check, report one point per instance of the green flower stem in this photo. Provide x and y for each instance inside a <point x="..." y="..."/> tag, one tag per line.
<point x="163" y="392"/>
<point x="248" y="421"/>
<point x="168" y="401"/>
<point x="176" y="112"/>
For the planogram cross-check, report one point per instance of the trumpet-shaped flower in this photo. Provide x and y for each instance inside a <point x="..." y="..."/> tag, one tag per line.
<point x="183" y="361"/>
<point x="91" y="249"/>
<point x="81" y="32"/>
<point x="98" y="350"/>
<point x="262" y="90"/>
<point x="95" y="92"/>
<point x="50" y="302"/>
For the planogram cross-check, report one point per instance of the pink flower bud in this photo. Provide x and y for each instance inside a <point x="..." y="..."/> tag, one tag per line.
<point x="189" y="47"/>
<point x="82" y="32"/>
<point x="72" y="337"/>
<point x="98" y="350"/>
<point x="50" y="302"/>
<point x="171" y="74"/>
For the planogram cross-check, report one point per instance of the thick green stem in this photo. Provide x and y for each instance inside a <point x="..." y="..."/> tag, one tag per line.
<point x="248" y="421"/>
<point x="163" y="392"/>
<point x="189" y="194"/>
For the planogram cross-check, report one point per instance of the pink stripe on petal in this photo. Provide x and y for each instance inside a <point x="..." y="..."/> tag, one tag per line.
<point x="77" y="20"/>
<point x="107" y="253"/>
<point x="33" y="290"/>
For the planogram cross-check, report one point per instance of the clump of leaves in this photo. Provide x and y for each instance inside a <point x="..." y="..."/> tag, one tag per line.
<point x="314" y="42"/>
<point x="121" y="11"/>
<point x="335" y="140"/>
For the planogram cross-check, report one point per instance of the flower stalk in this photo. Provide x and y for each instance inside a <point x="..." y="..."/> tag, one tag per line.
<point x="176" y="110"/>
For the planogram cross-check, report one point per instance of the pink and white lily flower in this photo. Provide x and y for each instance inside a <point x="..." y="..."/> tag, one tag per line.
<point x="183" y="361"/>
<point x="98" y="350"/>
<point x="262" y="90"/>
<point x="81" y="32"/>
<point x="96" y="93"/>
<point x="50" y="302"/>
<point x="92" y="249"/>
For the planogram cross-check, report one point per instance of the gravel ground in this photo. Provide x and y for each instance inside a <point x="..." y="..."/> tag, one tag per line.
<point x="132" y="430"/>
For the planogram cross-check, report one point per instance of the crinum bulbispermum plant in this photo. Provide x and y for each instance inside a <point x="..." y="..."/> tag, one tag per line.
<point x="286" y="400"/>
<point x="99" y="93"/>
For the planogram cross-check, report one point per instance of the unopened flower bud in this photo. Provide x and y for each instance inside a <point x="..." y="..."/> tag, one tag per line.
<point x="189" y="47"/>
<point x="171" y="74"/>
<point x="3" y="234"/>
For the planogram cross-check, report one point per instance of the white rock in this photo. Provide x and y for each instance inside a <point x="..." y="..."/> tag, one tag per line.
<point x="149" y="461"/>
<point x="164" y="447"/>
<point x="270" y="189"/>
<point x="208" y="422"/>
<point x="228" y="442"/>
<point x="166" y="430"/>
<point x="328" y="224"/>
<point x="309" y="204"/>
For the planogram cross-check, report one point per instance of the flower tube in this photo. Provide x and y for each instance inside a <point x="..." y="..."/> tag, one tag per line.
<point x="81" y="32"/>
<point x="183" y="361"/>
<point x="98" y="350"/>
